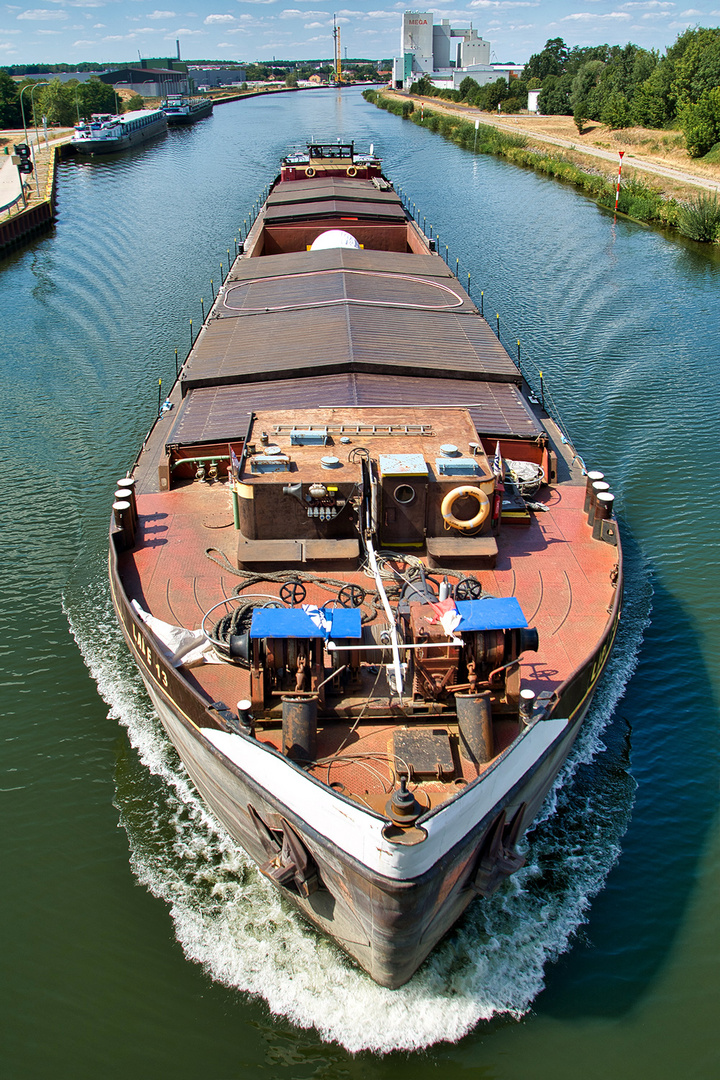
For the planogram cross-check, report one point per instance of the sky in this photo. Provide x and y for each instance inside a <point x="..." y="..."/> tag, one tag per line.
<point x="113" y="31"/>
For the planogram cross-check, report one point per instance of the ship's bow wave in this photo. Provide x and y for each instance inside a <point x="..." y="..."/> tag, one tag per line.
<point x="230" y="920"/>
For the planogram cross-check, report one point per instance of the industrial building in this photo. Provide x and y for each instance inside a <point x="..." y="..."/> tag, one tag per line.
<point x="444" y="54"/>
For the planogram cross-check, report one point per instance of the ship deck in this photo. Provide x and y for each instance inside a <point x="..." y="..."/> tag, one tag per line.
<point x="561" y="577"/>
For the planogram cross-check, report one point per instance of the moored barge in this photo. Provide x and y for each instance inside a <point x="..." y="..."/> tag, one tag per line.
<point x="105" y="133"/>
<point x="368" y="586"/>
<point x="180" y="110"/>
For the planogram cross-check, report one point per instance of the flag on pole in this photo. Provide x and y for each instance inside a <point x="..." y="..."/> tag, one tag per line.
<point x="498" y="467"/>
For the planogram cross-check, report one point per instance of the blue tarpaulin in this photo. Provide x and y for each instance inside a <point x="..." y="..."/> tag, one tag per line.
<point x="296" y="623"/>
<point x="490" y="613"/>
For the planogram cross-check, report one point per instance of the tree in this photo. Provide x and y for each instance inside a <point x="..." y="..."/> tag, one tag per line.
<point x="551" y="61"/>
<point x="616" y="111"/>
<point x="56" y="101"/>
<point x="95" y="96"/>
<point x="700" y="123"/>
<point x="468" y="86"/>
<point x="586" y="79"/>
<point x="495" y="93"/>
<point x="291" y="80"/>
<point x="698" y="68"/>
<point x="554" y="98"/>
<point x="9" y="102"/>
<point x="133" y="103"/>
<point x="653" y="103"/>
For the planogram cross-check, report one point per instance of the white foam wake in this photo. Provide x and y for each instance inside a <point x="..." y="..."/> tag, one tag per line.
<point x="229" y="919"/>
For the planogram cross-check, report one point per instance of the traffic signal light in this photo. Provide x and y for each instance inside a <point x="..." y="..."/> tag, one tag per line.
<point x="25" y="166"/>
<point x="22" y="150"/>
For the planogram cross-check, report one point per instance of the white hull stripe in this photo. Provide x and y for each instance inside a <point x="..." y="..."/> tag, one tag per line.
<point x="359" y="833"/>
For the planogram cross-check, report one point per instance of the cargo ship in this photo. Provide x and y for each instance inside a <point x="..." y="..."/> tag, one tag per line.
<point x="368" y="584"/>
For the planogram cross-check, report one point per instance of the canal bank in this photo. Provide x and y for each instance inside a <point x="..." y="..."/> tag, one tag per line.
<point x="650" y="192"/>
<point x="29" y="202"/>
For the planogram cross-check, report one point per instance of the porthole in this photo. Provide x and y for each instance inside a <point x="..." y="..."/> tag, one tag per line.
<point x="404" y="494"/>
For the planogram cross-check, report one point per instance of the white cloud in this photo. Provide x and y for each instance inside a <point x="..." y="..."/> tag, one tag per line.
<point x="593" y="16"/>
<point x="216" y="19"/>
<point x="186" y="32"/>
<point x="161" y="15"/>
<point x="295" y="13"/>
<point x="503" y="5"/>
<point x="40" y="14"/>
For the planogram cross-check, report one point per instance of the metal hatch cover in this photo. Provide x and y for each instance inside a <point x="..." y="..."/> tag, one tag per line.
<point x="427" y="754"/>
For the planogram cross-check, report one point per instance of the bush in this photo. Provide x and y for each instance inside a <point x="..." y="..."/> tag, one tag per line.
<point x="699" y="219"/>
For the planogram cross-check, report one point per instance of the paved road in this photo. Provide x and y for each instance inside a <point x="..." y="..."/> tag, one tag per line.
<point x="517" y="127"/>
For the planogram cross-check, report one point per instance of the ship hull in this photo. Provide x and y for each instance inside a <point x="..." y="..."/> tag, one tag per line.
<point x="182" y="119"/>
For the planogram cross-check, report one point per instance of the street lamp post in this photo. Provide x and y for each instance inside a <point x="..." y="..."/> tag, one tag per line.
<point x="33" y="88"/>
<point x="32" y="106"/>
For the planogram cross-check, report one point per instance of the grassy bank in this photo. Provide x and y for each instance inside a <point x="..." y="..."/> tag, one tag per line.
<point x="698" y="218"/>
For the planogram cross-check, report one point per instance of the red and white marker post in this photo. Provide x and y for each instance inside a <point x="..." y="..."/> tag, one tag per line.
<point x="617" y="189"/>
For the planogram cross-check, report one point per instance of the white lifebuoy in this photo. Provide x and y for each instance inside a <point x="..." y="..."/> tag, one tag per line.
<point x="460" y="493"/>
<point x="352" y="171"/>
<point x="310" y="171"/>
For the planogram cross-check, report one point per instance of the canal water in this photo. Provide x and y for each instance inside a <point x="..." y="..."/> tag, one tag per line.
<point x="137" y="940"/>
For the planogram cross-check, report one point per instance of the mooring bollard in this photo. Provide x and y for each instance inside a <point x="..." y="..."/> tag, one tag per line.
<point x="474" y="715"/>
<point x="592" y="477"/>
<point x="123" y="522"/>
<point x="603" y="512"/>
<point x="597" y="487"/>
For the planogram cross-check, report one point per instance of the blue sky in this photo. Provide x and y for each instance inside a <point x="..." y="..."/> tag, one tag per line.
<point x="68" y="31"/>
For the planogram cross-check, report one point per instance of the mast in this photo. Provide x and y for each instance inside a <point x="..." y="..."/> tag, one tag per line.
<point x="338" y="60"/>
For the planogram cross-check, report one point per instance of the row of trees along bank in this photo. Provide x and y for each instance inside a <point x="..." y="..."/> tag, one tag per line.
<point x="63" y="103"/>
<point x="698" y="218"/>
<point x="619" y="86"/>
